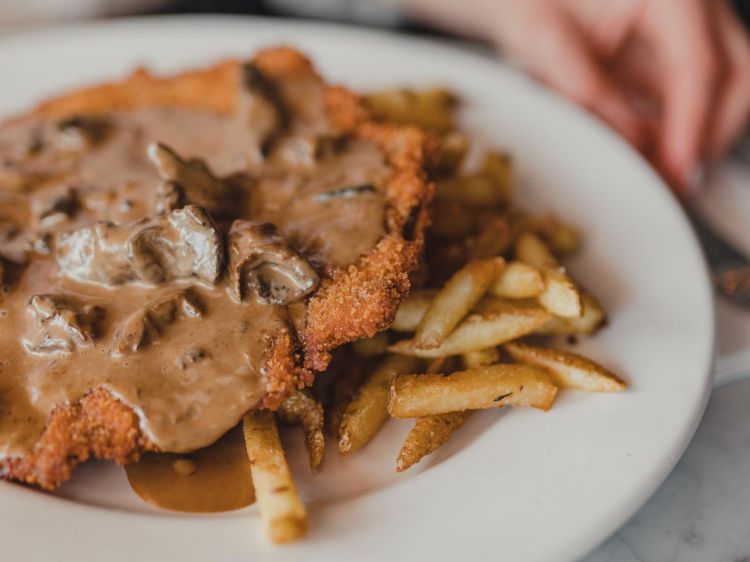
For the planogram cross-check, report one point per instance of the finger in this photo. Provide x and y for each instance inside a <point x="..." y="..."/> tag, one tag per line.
<point x="733" y="98"/>
<point x="691" y="66"/>
<point x="563" y="59"/>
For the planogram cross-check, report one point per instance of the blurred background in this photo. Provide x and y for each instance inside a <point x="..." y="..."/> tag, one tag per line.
<point x="14" y="13"/>
<point x="671" y="76"/>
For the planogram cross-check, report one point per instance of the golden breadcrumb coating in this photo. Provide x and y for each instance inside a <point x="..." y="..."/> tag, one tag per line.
<point x="351" y="303"/>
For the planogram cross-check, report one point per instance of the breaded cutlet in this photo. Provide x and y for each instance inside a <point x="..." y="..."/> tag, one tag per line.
<point x="350" y="301"/>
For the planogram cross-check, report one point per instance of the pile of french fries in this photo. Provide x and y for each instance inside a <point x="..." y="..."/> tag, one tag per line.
<point x="472" y="334"/>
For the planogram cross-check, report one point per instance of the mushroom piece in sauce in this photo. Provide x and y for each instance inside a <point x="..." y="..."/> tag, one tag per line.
<point x="307" y="150"/>
<point x="55" y="204"/>
<point x="263" y="262"/>
<point x="261" y="108"/>
<point x="144" y="326"/>
<point x="78" y="133"/>
<point x="62" y="325"/>
<point x="190" y="182"/>
<point x="182" y="244"/>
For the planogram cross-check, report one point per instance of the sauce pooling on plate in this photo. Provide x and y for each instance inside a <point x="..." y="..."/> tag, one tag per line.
<point x="213" y="479"/>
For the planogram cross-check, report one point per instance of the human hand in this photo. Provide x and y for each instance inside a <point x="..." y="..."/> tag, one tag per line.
<point x="672" y="76"/>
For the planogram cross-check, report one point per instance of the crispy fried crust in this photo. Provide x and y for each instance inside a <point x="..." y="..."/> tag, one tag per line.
<point x="351" y="303"/>
<point x="361" y="300"/>
<point x="282" y="370"/>
<point x="98" y="425"/>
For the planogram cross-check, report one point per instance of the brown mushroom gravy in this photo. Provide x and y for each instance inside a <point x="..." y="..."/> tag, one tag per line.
<point x="136" y="256"/>
<point x="213" y="479"/>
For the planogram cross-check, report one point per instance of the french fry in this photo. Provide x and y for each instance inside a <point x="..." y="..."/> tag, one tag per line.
<point x="427" y="435"/>
<point x="565" y="240"/>
<point x="281" y="511"/>
<point x="431" y="108"/>
<point x="493" y="386"/>
<point x="451" y="220"/>
<point x="438" y="365"/>
<point x="367" y="411"/>
<point x="560" y="295"/>
<point x="454" y="301"/>
<point x="302" y="409"/>
<point x="371" y="347"/>
<point x="473" y="190"/>
<point x="594" y="317"/>
<point x="453" y="148"/>
<point x="567" y="369"/>
<point x="481" y="357"/>
<point x="494" y="238"/>
<point x="479" y="331"/>
<point x="340" y="393"/>
<point x="498" y="167"/>
<point x="412" y="310"/>
<point x="518" y="281"/>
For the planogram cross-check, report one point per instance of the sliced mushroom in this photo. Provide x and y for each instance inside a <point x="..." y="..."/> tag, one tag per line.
<point x="261" y="108"/>
<point x="144" y="326"/>
<point x="39" y="242"/>
<point x="79" y="133"/>
<point x="262" y="262"/>
<point x="54" y="205"/>
<point x="62" y="324"/>
<point x="15" y="243"/>
<point x="307" y="150"/>
<point x="182" y="244"/>
<point x="190" y="182"/>
<point x="11" y="273"/>
<point x="169" y="196"/>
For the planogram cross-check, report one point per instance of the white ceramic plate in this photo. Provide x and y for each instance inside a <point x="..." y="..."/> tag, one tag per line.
<point x="517" y="485"/>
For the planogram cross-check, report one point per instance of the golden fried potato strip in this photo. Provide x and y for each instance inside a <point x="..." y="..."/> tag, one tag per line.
<point x="504" y="323"/>
<point x="412" y="310"/>
<point x="427" y="435"/>
<point x="481" y="357"/>
<point x="454" y="301"/>
<point x="594" y="317"/>
<point x="493" y="386"/>
<point x="432" y="108"/>
<point x="302" y="409"/>
<point x="282" y="513"/>
<point x="518" y="281"/>
<point x="340" y="393"/>
<point x="560" y="295"/>
<point x="371" y="347"/>
<point x="568" y="369"/>
<point x="366" y="413"/>
<point x="494" y="238"/>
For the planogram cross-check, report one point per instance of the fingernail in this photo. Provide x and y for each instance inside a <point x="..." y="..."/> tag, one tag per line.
<point x="696" y="179"/>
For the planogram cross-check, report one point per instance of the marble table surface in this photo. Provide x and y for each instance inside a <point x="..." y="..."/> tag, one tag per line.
<point x="702" y="511"/>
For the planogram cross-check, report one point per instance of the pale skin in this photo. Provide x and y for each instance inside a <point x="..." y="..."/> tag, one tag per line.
<point x="671" y="76"/>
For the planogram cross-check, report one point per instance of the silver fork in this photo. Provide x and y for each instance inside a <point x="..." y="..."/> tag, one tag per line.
<point x="730" y="268"/>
